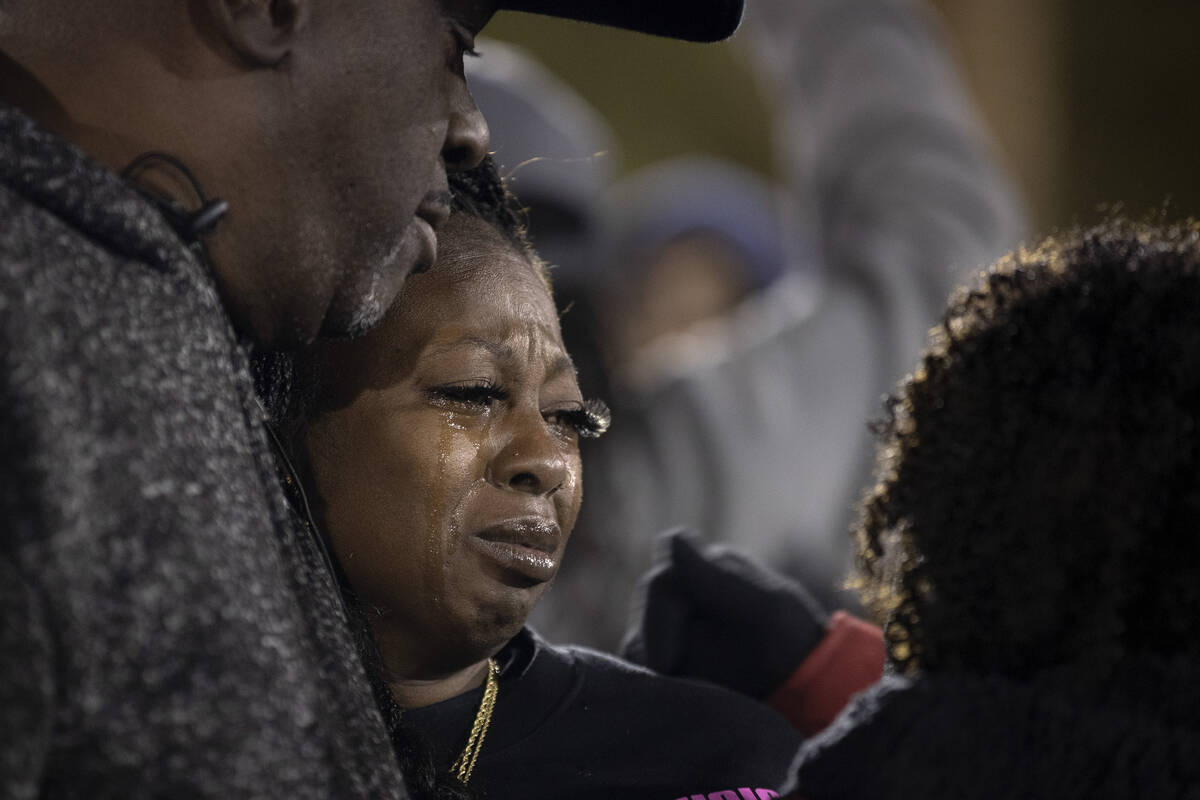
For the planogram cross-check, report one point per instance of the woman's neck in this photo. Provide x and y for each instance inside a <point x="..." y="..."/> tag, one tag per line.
<point x="418" y="677"/>
<point x="419" y="692"/>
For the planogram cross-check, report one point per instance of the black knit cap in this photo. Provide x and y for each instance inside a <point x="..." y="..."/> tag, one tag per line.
<point x="692" y="20"/>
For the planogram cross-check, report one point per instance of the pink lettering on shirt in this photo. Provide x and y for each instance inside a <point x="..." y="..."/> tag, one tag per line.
<point x="744" y="793"/>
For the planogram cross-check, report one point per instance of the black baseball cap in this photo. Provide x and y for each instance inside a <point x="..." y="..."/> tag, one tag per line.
<point x="691" y="20"/>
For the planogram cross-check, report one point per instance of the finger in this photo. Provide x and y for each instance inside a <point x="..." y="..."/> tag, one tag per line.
<point x="633" y="647"/>
<point x="665" y="622"/>
<point x="651" y="598"/>
<point x="717" y="579"/>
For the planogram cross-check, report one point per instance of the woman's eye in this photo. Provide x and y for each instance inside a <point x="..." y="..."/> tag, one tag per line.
<point x="589" y="419"/>
<point x="477" y="395"/>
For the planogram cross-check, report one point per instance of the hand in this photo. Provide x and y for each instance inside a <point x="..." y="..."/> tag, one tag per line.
<point x="711" y="613"/>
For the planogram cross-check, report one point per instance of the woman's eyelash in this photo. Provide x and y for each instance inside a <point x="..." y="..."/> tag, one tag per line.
<point x="482" y="393"/>
<point x="589" y="421"/>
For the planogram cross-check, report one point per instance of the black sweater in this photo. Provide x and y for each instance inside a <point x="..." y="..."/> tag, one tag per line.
<point x="574" y="723"/>
<point x="570" y="722"/>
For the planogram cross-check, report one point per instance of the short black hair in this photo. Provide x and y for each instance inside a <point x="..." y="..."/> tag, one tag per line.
<point x="1038" y="495"/>
<point x="483" y="194"/>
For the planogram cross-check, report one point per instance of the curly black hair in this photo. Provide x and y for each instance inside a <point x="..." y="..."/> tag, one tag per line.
<point x="1038" y="496"/>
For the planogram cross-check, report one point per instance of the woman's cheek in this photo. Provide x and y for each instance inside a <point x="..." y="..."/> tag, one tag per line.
<point x="458" y="475"/>
<point x="572" y="495"/>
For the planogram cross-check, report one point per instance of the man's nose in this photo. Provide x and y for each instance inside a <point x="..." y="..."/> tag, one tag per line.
<point x="467" y="136"/>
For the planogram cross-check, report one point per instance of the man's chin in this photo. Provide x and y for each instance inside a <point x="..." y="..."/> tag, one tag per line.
<point x="355" y="323"/>
<point x="358" y="311"/>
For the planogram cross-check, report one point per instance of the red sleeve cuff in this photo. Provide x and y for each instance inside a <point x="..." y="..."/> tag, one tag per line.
<point x="848" y="659"/>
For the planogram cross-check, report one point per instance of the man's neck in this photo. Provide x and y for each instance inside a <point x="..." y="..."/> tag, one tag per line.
<point x="20" y="88"/>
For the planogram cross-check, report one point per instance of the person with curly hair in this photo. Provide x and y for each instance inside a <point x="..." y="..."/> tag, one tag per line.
<point x="1032" y="538"/>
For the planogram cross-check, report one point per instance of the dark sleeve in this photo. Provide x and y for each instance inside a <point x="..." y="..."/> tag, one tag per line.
<point x="27" y="694"/>
<point x="848" y="660"/>
<point x="26" y="684"/>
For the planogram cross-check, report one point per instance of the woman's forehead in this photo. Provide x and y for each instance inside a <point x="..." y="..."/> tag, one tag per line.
<point x="505" y="313"/>
<point x="486" y="276"/>
<point x="482" y="289"/>
<point x="467" y="244"/>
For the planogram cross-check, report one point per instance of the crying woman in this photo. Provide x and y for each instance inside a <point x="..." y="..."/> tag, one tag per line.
<point x="440" y="455"/>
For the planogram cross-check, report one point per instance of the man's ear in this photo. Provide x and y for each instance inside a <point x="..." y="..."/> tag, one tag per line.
<point x="260" y="31"/>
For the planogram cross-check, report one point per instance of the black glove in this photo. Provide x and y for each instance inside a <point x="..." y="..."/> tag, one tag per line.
<point x="711" y="613"/>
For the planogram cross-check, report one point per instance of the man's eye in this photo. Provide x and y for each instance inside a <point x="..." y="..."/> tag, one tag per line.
<point x="464" y="41"/>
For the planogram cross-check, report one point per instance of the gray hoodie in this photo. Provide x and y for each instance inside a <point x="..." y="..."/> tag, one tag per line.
<point x="167" y="631"/>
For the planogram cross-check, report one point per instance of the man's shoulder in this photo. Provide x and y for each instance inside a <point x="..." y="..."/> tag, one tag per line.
<point x="43" y="255"/>
<point x="62" y="286"/>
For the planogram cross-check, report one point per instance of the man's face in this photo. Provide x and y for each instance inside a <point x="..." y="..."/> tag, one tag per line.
<point x="383" y="113"/>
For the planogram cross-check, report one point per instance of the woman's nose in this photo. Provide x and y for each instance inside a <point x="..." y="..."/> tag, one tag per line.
<point x="467" y="136"/>
<point x="532" y="460"/>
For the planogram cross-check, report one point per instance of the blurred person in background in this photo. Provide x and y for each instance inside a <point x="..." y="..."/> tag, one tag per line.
<point x="683" y="244"/>
<point x="757" y="437"/>
<point x="1032" y="538"/>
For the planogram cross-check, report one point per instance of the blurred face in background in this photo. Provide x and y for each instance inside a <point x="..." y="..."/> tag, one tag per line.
<point x="689" y="280"/>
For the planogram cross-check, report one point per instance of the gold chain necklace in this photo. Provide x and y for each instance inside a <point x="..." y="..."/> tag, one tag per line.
<point x="465" y="763"/>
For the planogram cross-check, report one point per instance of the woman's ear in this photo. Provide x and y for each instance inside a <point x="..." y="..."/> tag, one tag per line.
<point x="262" y="32"/>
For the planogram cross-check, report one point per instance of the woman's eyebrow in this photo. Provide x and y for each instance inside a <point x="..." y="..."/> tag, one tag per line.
<point x="497" y="349"/>
<point x="505" y="352"/>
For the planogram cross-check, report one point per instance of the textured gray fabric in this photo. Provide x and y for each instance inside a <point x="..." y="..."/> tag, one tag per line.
<point x="166" y="632"/>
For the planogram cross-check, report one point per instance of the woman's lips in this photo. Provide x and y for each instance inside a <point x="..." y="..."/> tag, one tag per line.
<point x="526" y="548"/>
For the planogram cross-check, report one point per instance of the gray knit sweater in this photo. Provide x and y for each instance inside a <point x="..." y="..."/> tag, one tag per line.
<point x="166" y="631"/>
